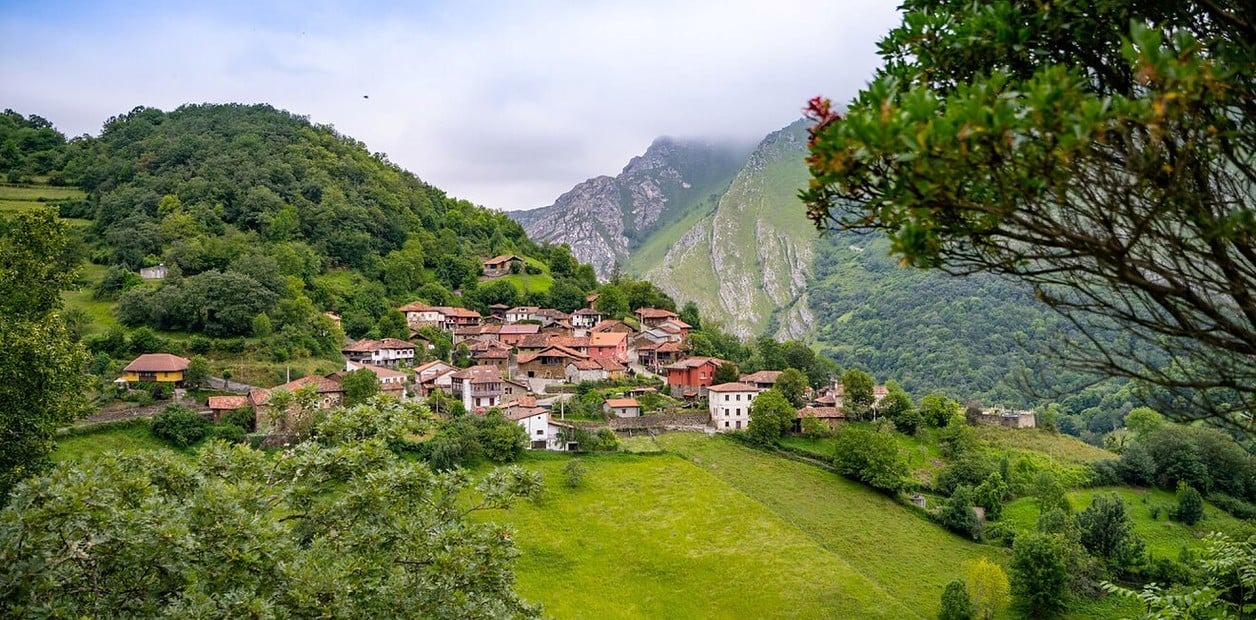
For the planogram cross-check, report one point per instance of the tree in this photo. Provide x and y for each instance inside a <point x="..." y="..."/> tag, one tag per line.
<point x="1143" y="421"/>
<point x="1190" y="508"/>
<point x="870" y="457"/>
<point x="612" y="301"/>
<point x="1107" y="531"/>
<point x="988" y="588"/>
<point x="359" y="385"/>
<point x="898" y="407"/>
<point x="349" y="530"/>
<point x="792" y="384"/>
<point x="1041" y="572"/>
<point x="937" y="410"/>
<point x="689" y="314"/>
<point x="726" y="373"/>
<point x="955" y="602"/>
<point x="42" y="385"/>
<point x="573" y="473"/>
<point x="771" y="416"/>
<point x="197" y="374"/>
<point x="857" y="393"/>
<point x="958" y="515"/>
<point x="990" y="494"/>
<point x="1104" y="162"/>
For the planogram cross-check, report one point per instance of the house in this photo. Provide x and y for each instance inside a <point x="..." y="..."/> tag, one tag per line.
<point x="514" y="334"/>
<point x="586" y="318"/>
<point x="579" y="371"/>
<point x="478" y="387"/>
<point x="335" y="318"/>
<point x="499" y="266"/>
<point x="421" y="315"/>
<point x="656" y="355"/>
<point x="514" y="391"/>
<point x="550" y="316"/>
<point x="535" y="422"/>
<point x="764" y="379"/>
<point x="522" y="313"/>
<point x="327" y="392"/>
<point x="651" y="317"/>
<point x="879" y="393"/>
<point x="155" y="273"/>
<point x="622" y="407"/>
<point x="676" y="328"/>
<point x="498" y="310"/>
<point x="491" y="353"/>
<point x="612" y="325"/>
<point x="218" y="405"/>
<point x="434" y="375"/>
<point x="730" y="405"/>
<point x="385" y="352"/>
<point x="692" y="375"/>
<point x="391" y="382"/>
<point x="548" y="363"/>
<point x="1007" y="419"/>
<point x="608" y="345"/>
<point x="456" y="318"/>
<point x="829" y="416"/>
<point x="156" y="368"/>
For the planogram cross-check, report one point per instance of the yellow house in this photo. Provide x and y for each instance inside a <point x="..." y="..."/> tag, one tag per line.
<point x="156" y="367"/>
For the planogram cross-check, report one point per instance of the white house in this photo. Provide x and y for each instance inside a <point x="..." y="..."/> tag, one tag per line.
<point x="622" y="407"/>
<point x="730" y="405"/>
<point x="385" y="352"/>
<point x="535" y="422"/>
<point x="522" y="313"/>
<point x="586" y="318"/>
<point x="418" y="315"/>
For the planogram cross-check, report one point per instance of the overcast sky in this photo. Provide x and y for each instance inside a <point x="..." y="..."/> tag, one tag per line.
<point x="507" y="104"/>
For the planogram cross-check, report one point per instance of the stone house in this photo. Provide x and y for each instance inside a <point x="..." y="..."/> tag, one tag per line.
<point x="651" y="317"/>
<point x="548" y="363"/>
<point x="499" y="266"/>
<point x="478" y="387"/>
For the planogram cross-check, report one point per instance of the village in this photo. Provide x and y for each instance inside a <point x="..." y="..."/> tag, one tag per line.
<point x="526" y="361"/>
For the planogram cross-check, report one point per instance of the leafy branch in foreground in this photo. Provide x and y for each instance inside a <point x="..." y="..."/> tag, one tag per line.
<point x="1101" y="152"/>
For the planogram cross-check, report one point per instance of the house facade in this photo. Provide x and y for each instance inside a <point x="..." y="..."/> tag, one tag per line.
<point x="586" y="318"/>
<point x="499" y="266"/>
<point x="522" y="313"/>
<point x="729" y="404"/>
<point x="622" y="407"/>
<point x="420" y="315"/>
<point x="548" y="363"/>
<point x="156" y="368"/>
<point x="651" y="317"/>
<point x="693" y="375"/>
<point x="385" y="352"/>
<point x="609" y="345"/>
<point x="478" y="387"/>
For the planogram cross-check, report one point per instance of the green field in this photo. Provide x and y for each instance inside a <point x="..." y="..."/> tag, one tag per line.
<point x="1164" y="538"/>
<point x="125" y="437"/>
<point x="34" y="192"/>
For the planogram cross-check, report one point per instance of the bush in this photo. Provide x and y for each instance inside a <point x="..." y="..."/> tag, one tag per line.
<point x="573" y="473"/>
<point x="1190" y="508"/>
<point x="227" y="432"/>
<point x="955" y="602"/>
<point x="1234" y="506"/>
<point x="958" y="515"/>
<point x="242" y="418"/>
<point x="1000" y="533"/>
<point x="871" y="458"/>
<point x="179" y="426"/>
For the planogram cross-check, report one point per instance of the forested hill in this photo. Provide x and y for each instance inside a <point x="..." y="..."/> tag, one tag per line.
<point x="263" y="213"/>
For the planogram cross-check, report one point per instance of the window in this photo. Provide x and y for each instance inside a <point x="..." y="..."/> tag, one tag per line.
<point x="738" y="411"/>
<point x="726" y="398"/>
<point x="739" y="397"/>
<point x="540" y="431"/>
<point x="726" y="423"/>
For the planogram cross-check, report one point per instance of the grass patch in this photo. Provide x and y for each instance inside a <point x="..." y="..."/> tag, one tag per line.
<point x="905" y="554"/>
<point x="33" y="193"/>
<point x="128" y="436"/>
<point x="1164" y="538"/>
<point x="640" y="444"/>
<point x="662" y="537"/>
<point x="101" y="312"/>
<point x="1063" y="449"/>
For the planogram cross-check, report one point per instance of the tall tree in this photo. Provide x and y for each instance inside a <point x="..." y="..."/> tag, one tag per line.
<point x="360" y="385"/>
<point x="770" y="417"/>
<point x="1100" y="152"/>
<point x="793" y="385"/>
<point x="42" y="383"/>
<point x="988" y="588"/>
<point x="857" y="393"/>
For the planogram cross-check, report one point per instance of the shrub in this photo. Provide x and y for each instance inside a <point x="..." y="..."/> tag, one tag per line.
<point x="227" y="432"/>
<point x="970" y="469"/>
<point x="179" y="426"/>
<point x="955" y="602"/>
<point x="1190" y="508"/>
<point x="958" y="515"/>
<point x="1234" y="506"/>
<point x="872" y="458"/>
<point x="573" y="473"/>
<point x="242" y="417"/>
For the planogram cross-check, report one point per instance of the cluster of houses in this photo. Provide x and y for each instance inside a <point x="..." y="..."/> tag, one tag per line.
<point x="517" y="352"/>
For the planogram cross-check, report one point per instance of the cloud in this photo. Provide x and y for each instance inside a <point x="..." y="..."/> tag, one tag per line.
<point x="507" y="104"/>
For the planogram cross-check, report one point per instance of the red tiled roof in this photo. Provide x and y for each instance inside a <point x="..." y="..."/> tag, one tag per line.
<point x="820" y="412"/>
<point x="529" y="328"/>
<point x="763" y="376"/>
<point x="481" y="373"/>
<point x="616" y="403"/>
<point x="224" y="403"/>
<point x="694" y="362"/>
<point x="655" y="313"/>
<point x="504" y="258"/>
<point x="380" y="371"/>
<point x="553" y="350"/>
<point x="157" y="362"/>
<point x="607" y="339"/>
<point x="733" y="387"/>
<point x="417" y="306"/>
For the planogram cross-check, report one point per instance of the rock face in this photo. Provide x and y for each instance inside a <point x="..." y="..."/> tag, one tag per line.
<point x="606" y="218"/>
<point x="747" y="263"/>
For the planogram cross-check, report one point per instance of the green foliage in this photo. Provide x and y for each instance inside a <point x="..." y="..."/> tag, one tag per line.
<point x="1107" y="532"/>
<point x="42" y="384"/>
<point x="1050" y="493"/>
<point x="792" y="384"/>
<point x="350" y="530"/>
<point x="1190" y="507"/>
<point x="955" y="603"/>
<point x="1230" y="584"/>
<point x="726" y="373"/>
<point x="988" y="587"/>
<point x="990" y="495"/>
<point x="938" y="410"/>
<point x="771" y="416"/>
<point x="958" y="515"/>
<point x="218" y="304"/>
<point x="179" y="426"/>
<point x="1144" y="421"/>
<point x="1041" y="573"/>
<point x="29" y="146"/>
<point x="1033" y="150"/>
<point x="360" y="386"/>
<point x="465" y="440"/>
<point x="197" y="375"/>
<point x="573" y="473"/>
<point x="379" y="418"/>
<point x="870" y="457"/>
<point x="857" y="397"/>
<point x="244" y="418"/>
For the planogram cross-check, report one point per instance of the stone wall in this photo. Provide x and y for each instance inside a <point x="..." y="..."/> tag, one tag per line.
<point x="673" y="420"/>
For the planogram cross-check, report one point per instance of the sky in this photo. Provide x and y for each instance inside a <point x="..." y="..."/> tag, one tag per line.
<point x="506" y="104"/>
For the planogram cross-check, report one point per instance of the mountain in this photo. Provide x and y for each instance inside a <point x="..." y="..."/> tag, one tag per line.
<point x="753" y="263"/>
<point x="606" y="219"/>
